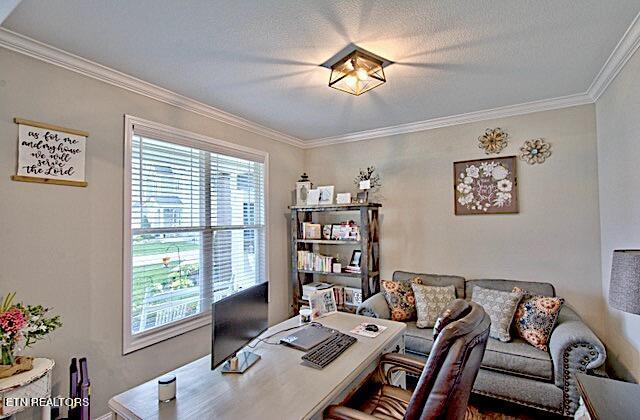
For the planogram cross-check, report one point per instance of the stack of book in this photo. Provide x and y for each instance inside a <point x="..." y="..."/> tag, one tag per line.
<point x="311" y="261"/>
<point x="353" y="269"/>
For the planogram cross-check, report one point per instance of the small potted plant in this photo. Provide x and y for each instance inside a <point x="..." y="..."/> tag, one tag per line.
<point x="20" y="327"/>
<point x="367" y="181"/>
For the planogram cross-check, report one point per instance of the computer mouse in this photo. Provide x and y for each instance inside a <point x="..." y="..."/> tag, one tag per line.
<point x="371" y="327"/>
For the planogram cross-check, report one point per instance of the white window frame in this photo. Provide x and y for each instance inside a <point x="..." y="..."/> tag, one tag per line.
<point x="164" y="132"/>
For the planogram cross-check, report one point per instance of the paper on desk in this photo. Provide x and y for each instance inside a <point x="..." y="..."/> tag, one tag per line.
<point x="361" y="330"/>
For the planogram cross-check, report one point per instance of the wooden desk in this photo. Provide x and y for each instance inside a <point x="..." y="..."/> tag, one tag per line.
<point x="608" y="399"/>
<point x="277" y="387"/>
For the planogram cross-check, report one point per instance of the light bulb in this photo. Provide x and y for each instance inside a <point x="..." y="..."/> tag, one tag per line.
<point x="362" y="74"/>
<point x="349" y="65"/>
<point x="351" y="81"/>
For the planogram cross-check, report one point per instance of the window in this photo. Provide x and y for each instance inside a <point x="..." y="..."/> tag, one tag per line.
<point x="194" y="228"/>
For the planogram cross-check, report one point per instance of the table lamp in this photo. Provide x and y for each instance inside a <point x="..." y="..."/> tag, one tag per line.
<point x="624" y="287"/>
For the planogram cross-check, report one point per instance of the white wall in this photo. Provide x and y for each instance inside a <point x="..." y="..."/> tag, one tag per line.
<point x="62" y="246"/>
<point x="554" y="238"/>
<point x="618" y="121"/>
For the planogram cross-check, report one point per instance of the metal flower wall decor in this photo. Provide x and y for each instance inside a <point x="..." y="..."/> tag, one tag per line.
<point x="535" y="151"/>
<point x="493" y="140"/>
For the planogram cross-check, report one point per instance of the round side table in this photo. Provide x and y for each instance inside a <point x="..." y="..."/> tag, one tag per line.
<point x="35" y="383"/>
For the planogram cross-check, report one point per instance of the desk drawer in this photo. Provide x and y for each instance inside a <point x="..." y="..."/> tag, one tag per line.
<point x="395" y="347"/>
<point x="399" y="378"/>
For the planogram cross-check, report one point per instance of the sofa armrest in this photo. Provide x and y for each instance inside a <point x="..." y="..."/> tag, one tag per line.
<point x="574" y="348"/>
<point x="376" y="307"/>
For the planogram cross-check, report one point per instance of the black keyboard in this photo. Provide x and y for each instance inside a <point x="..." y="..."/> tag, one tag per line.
<point x="329" y="350"/>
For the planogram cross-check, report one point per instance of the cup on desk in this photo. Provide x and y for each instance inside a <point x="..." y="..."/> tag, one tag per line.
<point x="167" y="388"/>
<point x="305" y="316"/>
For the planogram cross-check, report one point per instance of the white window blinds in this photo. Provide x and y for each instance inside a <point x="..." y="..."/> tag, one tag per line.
<point x="197" y="228"/>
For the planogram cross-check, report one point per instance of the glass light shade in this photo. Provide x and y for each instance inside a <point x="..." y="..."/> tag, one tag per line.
<point x="357" y="73"/>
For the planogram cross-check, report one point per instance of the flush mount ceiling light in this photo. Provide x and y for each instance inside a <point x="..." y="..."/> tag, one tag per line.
<point x="357" y="73"/>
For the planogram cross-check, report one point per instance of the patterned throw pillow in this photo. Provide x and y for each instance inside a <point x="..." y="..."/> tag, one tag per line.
<point x="535" y="318"/>
<point x="500" y="306"/>
<point x="430" y="302"/>
<point x="400" y="298"/>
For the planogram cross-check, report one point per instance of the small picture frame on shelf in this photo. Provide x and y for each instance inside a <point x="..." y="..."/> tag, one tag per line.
<point x="326" y="231"/>
<point x="340" y="232"/>
<point x="352" y="296"/>
<point x="313" y="197"/>
<point x="343" y="198"/>
<point x="311" y="231"/>
<point x="335" y="232"/>
<point x="355" y="258"/>
<point x="326" y="195"/>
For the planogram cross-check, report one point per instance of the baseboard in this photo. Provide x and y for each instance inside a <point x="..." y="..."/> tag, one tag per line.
<point x="108" y="416"/>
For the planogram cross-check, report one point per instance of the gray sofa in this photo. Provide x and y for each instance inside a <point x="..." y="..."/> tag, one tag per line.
<point x="514" y="371"/>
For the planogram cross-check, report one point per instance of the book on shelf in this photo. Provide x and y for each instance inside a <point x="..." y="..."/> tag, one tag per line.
<point x="310" y="261"/>
<point x="352" y="269"/>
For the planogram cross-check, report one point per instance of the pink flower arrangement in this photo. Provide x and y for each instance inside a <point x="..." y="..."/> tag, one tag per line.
<point x="12" y="321"/>
<point x="21" y="326"/>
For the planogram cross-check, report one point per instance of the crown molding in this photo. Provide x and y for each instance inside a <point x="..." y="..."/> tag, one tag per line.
<point x="41" y="51"/>
<point x="487" y="114"/>
<point x="623" y="51"/>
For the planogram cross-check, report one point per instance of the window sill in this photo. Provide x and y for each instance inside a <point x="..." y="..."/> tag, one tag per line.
<point x="139" y="341"/>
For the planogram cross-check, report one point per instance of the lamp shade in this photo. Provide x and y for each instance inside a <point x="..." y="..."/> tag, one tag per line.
<point x="624" y="289"/>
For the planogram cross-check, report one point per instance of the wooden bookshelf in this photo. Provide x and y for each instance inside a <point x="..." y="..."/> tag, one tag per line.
<point x="369" y="244"/>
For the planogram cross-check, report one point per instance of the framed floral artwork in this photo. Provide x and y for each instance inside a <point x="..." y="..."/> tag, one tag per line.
<point x="486" y="186"/>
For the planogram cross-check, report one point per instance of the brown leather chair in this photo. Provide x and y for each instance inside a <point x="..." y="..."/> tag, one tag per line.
<point x="446" y="378"/>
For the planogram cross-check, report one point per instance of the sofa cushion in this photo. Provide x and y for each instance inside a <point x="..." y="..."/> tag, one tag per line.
<point x="400" y="298"/>
<point x="430" y="302"/>
<point x="544" y="289"/>
<point x="500" y="306"/>
<point x="418" y="340"/>
<point x="516" y="357"/>
<point x="535" y="318"/>
<point x="434" y="280"/>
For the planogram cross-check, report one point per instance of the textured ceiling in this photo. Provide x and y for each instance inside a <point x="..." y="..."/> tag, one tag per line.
<point x="261" y="59"/>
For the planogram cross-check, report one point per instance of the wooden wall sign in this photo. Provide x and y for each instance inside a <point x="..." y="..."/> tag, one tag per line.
<point x="50" y="154"/>
<point x="485" y="186"/>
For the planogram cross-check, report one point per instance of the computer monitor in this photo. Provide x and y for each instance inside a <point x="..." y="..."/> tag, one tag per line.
<point x="238" y="319"/>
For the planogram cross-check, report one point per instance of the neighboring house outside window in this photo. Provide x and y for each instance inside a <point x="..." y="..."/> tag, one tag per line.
<point x="249" y="234"/>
